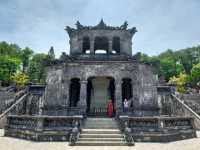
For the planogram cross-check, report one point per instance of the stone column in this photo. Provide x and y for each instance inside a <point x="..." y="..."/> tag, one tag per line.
<point x="41" y="104"/>
<point x="83" y="95"/>
<point x="40" y="124"/>
<point x="118" y="96"/>
<point x="92" y="46"/>
<point x="65" y="94"/>
<point x="81" y="45"/>
<point x="110" y="46"/>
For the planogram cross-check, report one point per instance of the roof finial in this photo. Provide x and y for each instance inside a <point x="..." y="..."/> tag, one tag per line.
<point x="101" y="23"/>
<point x="124" y="26"/>
<point x="79" y="25"/>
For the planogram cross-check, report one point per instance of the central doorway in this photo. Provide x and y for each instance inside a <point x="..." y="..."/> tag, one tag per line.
<point x="99" y="91"/>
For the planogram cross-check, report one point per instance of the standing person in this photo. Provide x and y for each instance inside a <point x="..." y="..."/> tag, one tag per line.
<point x="110" y="108"/>
<point x="126" y="105"/>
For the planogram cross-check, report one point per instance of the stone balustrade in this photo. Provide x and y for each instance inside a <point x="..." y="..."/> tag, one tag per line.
<point x="158" y="129"/>
<point x="42" y="128"/>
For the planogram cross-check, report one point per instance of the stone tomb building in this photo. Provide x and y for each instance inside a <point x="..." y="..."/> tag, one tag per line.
<point x="72" y="106"/>
<point x="100" y="67"/>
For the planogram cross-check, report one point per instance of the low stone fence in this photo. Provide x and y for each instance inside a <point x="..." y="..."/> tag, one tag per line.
<point x="192" y="97"/>
<point x="158" y="129"/>
<point x="6" y="99"/>
<point x="62" y="111"/>
<point x="139" y="112"/>
<point x="42" y="128"/>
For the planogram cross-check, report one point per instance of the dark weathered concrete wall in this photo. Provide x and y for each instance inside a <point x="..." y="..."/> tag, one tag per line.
<point x="5" y="99"/>
<point x="143" y="81"/>
<point x="125" y="39"/>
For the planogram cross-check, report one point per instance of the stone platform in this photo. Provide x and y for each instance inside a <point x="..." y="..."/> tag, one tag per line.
<point x="8" y="143"/>
<point x="41" y="128"/>
<point x="59" y="128"/>
<point x="158" y="129"/>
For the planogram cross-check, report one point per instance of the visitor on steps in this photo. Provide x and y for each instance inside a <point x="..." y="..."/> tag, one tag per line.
<point x="126" y="105"/>
<point x="110" y="108"/>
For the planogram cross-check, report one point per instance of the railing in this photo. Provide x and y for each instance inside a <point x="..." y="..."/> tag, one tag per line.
<point x="156" y="123"/>
<point x="193" y="105"/>
<point x="181" y="109"/>
<point x="98" y="111"/>
<point x="20" y="100"/>
<point x="65" y="111"/>
<point x="139" y="112"/>
<point x="6" y="100"/>
<point x="68" y="125"/>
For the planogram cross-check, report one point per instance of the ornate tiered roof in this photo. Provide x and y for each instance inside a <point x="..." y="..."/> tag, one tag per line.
<point x="100" y="26"/>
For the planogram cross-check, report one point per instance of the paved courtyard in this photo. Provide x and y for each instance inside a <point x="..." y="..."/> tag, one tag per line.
<point x="19" y="144"/>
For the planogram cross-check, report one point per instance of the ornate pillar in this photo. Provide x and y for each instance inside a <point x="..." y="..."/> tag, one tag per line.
<point x="92" y="46"/>
<point x="83" y="95"/>
<point x="81" y="45"/>
<point x="41" y="104"/>
<point x="110" y="46"/>
<point x="65" y="94"/>
<point x="118" y="96"/>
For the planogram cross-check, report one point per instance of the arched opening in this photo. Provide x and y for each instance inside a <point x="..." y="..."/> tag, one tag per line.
<point x="74" y="92"/>
<point x="101" y="45"/>
<point x="86" y="45"/>
<point x="116" y="45"/>
<point x="127" y="89"/>
<point x="99" y="91"/>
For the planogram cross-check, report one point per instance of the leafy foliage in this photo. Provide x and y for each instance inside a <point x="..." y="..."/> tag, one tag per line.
<point x="25" y="56"/>
<point x="179" y="81"/>
<point x="20" y="79"/>
<point x="8" y="66"/>
<point x="171" y="63"/>
<point x="36" y="69"/>
<point x="195" y="74"/>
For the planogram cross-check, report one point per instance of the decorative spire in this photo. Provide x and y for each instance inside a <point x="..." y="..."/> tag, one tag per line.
<point x="101" y="25"/>
<point x="79" y="25"/>
<point x="124" y="26"/>
<point x="132" y="30"/>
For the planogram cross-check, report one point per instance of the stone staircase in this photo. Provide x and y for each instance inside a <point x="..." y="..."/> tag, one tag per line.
<point x="101" y="132"/>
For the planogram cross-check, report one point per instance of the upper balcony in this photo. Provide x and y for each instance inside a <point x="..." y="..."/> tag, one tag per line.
<point x="100" y="39"/>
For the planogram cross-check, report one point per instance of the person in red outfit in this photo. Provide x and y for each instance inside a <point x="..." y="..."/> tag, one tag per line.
<point x="110" y="108"/>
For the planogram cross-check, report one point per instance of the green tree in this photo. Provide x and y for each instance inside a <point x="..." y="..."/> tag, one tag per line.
<point x="195" y="73"/>
<point x="179" y="81"/>
<point x="25" y="56"/>
<point x="20" y="79"/>
<point x="8" y="66"/>
<point x="12" y="50"/>
<point x="36" y="70"/>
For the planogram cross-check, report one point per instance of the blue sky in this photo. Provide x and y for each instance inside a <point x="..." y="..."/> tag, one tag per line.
<point x="161" y="24"/>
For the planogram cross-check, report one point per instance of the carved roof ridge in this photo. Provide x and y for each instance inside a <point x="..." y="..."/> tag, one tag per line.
<point x="100" y="26"/>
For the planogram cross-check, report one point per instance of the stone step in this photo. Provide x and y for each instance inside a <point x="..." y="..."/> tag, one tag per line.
<point x="101" y="136"/>
<point x="100" y="131"/>
<point x="100" y="118"/>
<point x="100" y="123"/>
<point x="101" y="139"/>
<point x="101" y="143"/>
<point x="100" y="127"/>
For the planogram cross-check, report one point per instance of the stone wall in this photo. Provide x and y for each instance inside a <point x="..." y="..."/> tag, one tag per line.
<point x="6" y="98"/>
<point x="143" y="81"/>
<point x="193" y="101"/>
<point x="125" y="40"/>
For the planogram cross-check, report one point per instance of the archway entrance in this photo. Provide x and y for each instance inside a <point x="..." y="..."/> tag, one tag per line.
<point x="99" y="91"/>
